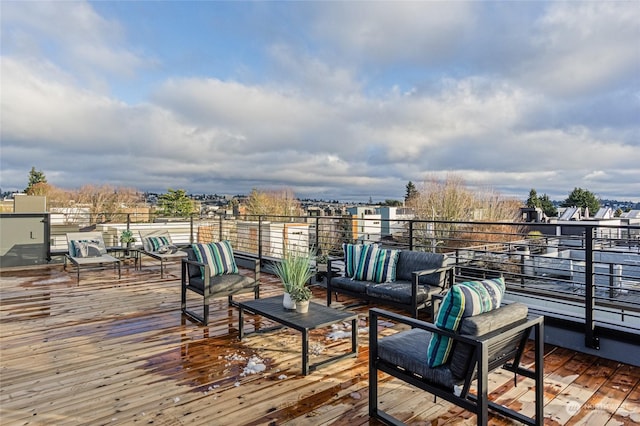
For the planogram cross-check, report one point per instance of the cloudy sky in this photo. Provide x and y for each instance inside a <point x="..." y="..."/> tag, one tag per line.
<point x="335" y="100"/>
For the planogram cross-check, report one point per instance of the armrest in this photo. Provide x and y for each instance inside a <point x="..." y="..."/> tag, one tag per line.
<point x="436" y="300"/>
<point x="329" y="268"/>
<point x="192" y="262"/>
<point x="445" y="269"/>
<point x="248" y="262"/>
<point x="375" y="313"/>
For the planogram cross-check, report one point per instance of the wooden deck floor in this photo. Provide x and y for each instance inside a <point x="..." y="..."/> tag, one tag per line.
<point x="112" y="351"/>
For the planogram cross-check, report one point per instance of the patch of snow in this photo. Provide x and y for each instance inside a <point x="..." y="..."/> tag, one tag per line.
<point x="254" y="365"/>
<point x="316" y="348"/>
<point x="339" y="334"/>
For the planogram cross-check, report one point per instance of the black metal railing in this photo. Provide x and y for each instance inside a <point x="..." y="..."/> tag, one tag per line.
<point x="585" y="272"/>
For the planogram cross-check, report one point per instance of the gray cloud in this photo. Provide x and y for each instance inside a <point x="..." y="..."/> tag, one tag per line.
<point x="341" y="126"/>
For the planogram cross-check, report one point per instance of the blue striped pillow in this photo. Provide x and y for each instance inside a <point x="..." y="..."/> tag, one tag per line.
<point x="154" y="243"/>
<point x="462" y="300"/>
<point x="351" y="257"/>
<point x="219" y="257"/>
<point x="377" y="265"/>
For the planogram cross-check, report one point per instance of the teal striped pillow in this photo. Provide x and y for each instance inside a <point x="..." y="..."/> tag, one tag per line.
<point x="351" y="257"/>
<point x="219" y="257"/>
<point x="377" y="265"/>
<point x="154" y="243"/>
<point x="462" y="300"/>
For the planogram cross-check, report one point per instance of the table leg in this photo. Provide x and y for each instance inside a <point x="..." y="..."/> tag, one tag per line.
<point x="240" y="322"/>
<point x="305" y="352"/>
<point x="354" y="335"/>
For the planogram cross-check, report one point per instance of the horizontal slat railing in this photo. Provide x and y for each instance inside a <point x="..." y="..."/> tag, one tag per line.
<point x="589" y="272"/>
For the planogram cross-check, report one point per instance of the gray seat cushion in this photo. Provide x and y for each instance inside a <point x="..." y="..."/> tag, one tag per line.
<point x="401" y="292"/>
<point x="411" y="261"/>
<point x="225" y="284"/>
<point x="348" y="284"/>
<point x="408" y="349"/>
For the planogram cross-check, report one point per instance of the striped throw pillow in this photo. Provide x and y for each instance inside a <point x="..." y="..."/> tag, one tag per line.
<point x="219" y="257"/>
<point x="377" y="265"/>
<point x="154" y="243"/>
<point x="462" y="300"/>
<point x="351" y="257"/>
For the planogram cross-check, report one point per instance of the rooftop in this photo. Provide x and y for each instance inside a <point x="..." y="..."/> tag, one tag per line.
<point x="111" y="351"/>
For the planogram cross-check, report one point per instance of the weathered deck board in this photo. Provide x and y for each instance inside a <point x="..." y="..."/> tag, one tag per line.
<point x="111" y="351"/>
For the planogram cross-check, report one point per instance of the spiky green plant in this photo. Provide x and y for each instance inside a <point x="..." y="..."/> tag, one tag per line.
<point x="294" y="270"/>
<point x="127" y="237"/>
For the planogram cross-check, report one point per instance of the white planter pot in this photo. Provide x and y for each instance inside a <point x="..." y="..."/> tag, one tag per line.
<point x="288" y="302"/>
<point x="302" y="307"/>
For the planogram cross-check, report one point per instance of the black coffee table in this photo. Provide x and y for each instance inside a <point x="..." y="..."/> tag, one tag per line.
<point x="318" y="316"/>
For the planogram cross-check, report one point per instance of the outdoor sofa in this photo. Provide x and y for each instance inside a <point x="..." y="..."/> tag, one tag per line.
<point x="409" y="284"/>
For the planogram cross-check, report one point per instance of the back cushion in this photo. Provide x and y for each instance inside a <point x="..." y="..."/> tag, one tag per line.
<point x="377" y="265"/>
<point x="481" y="324"/>
<point x="156" y="243"/>
<point x="352" y="254"/>
<point x="88" y="248"/>
<point x="462" y="300"/>
<point x="219" y="257"/>
<point x="410" y="261"/>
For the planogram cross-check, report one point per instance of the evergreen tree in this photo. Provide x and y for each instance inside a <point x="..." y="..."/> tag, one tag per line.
<point x="547" y="206"/>
<point x="542" y="202"/>
<point x="582" y="198"/>
<point x="412" y="192"/>
<point x="35" y="177"/>
<point x="175" y="203"/>
<point x="533" y="200"/>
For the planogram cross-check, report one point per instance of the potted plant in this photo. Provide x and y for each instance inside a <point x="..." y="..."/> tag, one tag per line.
<point x="301" y="295"/>
<point x="321" y="262"/>
<point x="127" y="238"/>
<point x="294" y="271"/>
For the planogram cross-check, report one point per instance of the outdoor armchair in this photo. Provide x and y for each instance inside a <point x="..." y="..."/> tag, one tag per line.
<point x="212" y="271"/>
<point x="87" y="250"/>
<point x="157" y="244"/>
<point x="479" y="344"/>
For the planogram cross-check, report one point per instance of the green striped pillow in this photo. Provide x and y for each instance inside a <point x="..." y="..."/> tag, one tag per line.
<point x="462" y="300"/>
<point x="377" y="265"/>
<point x="351" y="257"/>
<point x="154" y="243"/>
<point x="219" y="257"/>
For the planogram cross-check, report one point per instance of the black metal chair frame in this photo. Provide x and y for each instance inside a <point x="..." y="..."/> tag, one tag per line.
<point x="479" y="368"/>
<point x="208" y="292"/>
<point x="99" y="262"/>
